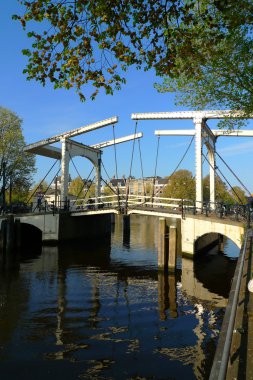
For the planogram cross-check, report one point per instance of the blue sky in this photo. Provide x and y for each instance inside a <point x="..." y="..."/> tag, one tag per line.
<point x="46" y="112"/>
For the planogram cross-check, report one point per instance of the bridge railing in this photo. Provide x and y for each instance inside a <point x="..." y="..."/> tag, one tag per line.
<point x="105" y="201"/>
<point x="44" y="206"/>
<point x="223" y="210"/>
<point x="239" y="213"/>
<point x="121" y="202"/>
<point x="172" y="205"/>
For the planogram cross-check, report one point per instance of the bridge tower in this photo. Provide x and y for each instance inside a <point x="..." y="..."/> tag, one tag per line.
<point x="70" y="148"/>
<point x="203" y="135"/>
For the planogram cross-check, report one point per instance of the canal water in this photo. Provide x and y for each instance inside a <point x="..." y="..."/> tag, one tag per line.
<point x="102" y="310"/>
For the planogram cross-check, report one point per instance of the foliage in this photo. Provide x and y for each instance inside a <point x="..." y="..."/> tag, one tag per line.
<point x="76" y="187"/>
<point x="40" y="187"/>
<point x="81" y="42"/>
<point x="217" y="72"/>
<point x="238" y="195"/>
<point x="90" y="192"/>
<point x="148" y="189"/>
<point x="181" y="185"/>
<point x="20" y="166"/>
<point x="223" y="193"/>
<point x="109" y="191"/>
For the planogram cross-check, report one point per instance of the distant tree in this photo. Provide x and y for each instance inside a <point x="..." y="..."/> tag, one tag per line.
<point x="19" y="166"/>
<point x="238" y="195"/>
<point x="222" y="192"/>
<point x="90" y="192"/>
<point x="110" y="191"/>
<point x="148" y="188"/>
<point x="40" y="187"/>
<point x="181" y="185"/>
<point x="76" y="187"/>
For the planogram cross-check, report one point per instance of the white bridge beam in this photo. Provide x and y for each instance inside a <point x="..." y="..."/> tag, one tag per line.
<point x="216" y="132"/>
<point x="175" y="132"/>
<point x="214" y="114"/>
<point x="54" y="152"/>
<point x="238" y="133"/>
<point x="118" y="141"/>
<point x="72" y="133"/>
<point x="46" y="151"/>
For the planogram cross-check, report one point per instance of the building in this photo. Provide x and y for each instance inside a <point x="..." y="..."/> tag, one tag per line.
<point x="140" y="186"/>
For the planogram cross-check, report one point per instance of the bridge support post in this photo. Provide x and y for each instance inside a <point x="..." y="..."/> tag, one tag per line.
<point x="98" y="181"/>
<point x="172" y="249"/>
<point x="212" y="178"/>
<point x="64" y="171"/>
<point x="198" y="164"/>
<point x="126" y="230"/>
<point x="162" y="251"/>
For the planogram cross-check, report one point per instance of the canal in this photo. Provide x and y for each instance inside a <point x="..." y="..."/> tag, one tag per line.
<point x="101" y="310"/>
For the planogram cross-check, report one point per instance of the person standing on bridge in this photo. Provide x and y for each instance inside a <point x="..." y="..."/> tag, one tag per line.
<point x="39" y="200"/>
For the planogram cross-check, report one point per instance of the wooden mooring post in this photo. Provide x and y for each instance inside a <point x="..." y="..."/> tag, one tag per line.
<point x="167" y="246"/>
<point x="126" y="230"/>
<point x="172" y="259"/>
<point x="162" y="251"/>
<point x="10" y="235"/>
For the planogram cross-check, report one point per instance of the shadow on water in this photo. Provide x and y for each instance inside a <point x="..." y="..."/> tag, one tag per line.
<point x="99" y="256"/>
<point x="215" y="269"/>
<point x="86" y="253"/>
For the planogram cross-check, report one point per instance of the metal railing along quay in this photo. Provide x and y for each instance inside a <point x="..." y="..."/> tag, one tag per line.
<point x="234" y="353"/>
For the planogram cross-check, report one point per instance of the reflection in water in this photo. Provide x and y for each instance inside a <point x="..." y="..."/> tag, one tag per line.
<point x="167" y="295"/>
<point x="105" y="312"/>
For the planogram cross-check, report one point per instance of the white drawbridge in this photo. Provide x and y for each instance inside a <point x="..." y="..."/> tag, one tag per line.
<point x="203" y="135"/>
<point x="70" y="148"/>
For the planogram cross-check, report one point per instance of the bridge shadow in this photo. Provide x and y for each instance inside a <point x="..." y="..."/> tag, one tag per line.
<point x="30" y="236"/>
<point x="212" y="266"/>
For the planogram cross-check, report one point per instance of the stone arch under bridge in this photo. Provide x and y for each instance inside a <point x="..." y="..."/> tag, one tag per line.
<point x="192" y="228"/>
<point x="53" y="228"/>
